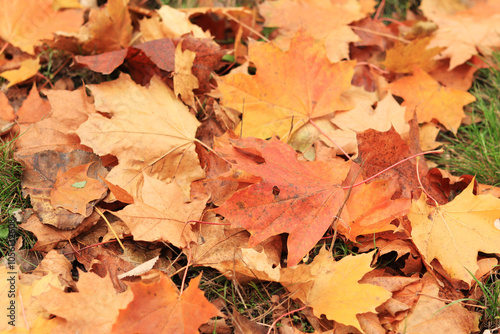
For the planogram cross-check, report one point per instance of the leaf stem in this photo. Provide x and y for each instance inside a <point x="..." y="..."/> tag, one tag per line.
<point x="331" y="139"/>
<point x="392" y="166"/>
<point x="284" y="315"/>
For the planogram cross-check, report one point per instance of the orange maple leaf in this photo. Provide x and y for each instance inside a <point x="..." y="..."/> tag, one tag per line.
<point x="93" y="309"/>
<point x="159" y="308"/>
<point x="429" y="100"/>
<point x="326" y="21"/>
<point x="24" y="23"/>
<point x="294" y="197"/>
<point x="289" y="87"/>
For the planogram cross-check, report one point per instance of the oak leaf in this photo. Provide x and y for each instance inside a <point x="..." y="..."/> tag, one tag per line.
<point x="331" y="287"/>
<point x="294" y="197"/>
<point x="25" y="23"/>
<point x="289" y="87"/>
<point x="159" y="308"/>
<point x="148" y="130"/>
<point x="429" y="100"/>
<point x="93" y="309"/>
<point x="454" y="233"/>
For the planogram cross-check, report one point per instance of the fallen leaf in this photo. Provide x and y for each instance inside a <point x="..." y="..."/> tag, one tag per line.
<point x="326" y="21"/>
<point x="403" y="58"/>
<point x="429" y="100"/>
<point x="454" y="233"/>
<point x="28" y="69"/>
<point x="109" y="28"/>
<point x="293" y="86"/>
<point x="431" y="315"/>
<point x="331" y="287"/>
<point x="160" y="308"/>
<point x="160" y="213"/>
<point x="148" y="130"/>
<point x="98" y="305"/>
<point x="26" y="22"/>
<point x="294" y="197"/>
<point x="184" y="80"/>
<point x="74" y="190"/>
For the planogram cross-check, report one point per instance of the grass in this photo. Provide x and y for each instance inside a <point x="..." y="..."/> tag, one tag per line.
<point x="11" y="198"/>
<point x="490" y="301"/>
<point x="475" y="150"/>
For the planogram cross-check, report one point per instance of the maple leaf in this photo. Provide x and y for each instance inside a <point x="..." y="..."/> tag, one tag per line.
<point x="28" y="68"/>
<point x="25" y="23"/>
<point x="299" y="84"/>
<point x="184" y="80"/>
<point x="464" y="30"/>
<point x="454" y="233"/>
<point x="326" y="21"/>
<point x="403" y="58"/>
<point x="159" y="308"/>
<point x="429" y="100"/>
<point x="331" y="287"/>
<point x="54" y="132"/>
<point x="93" y="309"/>
<point x="148" y="129"/>
<point x="74" y="190"/>
<point x="294" y="197"/>
<point x="109" y="28"/>
<point x="432" y="315"/>
<point x="160" y="213"/>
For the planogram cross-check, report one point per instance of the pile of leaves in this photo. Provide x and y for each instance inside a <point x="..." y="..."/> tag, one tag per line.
<point x="204" y="138"/>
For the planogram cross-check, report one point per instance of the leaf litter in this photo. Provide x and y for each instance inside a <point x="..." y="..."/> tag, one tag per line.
<point x="247" y="168"/>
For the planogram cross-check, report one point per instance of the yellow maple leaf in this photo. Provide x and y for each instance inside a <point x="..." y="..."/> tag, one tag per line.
<point x="331" y="288"/>
<point x="454" y="233"/>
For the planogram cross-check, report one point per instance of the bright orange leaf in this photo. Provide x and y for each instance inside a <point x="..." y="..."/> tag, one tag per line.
<point x="429" y="100"/>
<point x="299" y="84"/>
<point x="92" y="310"/>
<point x="159" y="308"/>
<point x="294" y="197"/>
<point x="24" y="23"/>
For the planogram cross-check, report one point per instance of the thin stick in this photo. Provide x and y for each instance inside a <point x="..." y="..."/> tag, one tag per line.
<point x="110" y="227"/>
<point x="248" y="27"/>
<point x="207" y="223"/>
<point x="331" y="139"/>
<point x="282" y="316"/>
<point x="403" y="40"/>
<point x="379" y="10"/>
<point x="422" y="186"/>
<point x="4" y="47"/>
<point x="394" y="165"/>
<point x="86" y="247"/>
<point x="185" y="271"/>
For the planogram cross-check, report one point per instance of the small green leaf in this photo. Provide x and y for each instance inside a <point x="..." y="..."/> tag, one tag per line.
<point x="79" y="185"/>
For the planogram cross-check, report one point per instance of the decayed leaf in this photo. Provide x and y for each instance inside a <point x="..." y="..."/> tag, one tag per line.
<point x="454" y="233"/>
<point x="184" y="80"/>
<point x="326" y="21"/>
<point x="429" y="100"/>
<point x="294" y="197"/>
<point x="25" y="23"/>
<point x="464" y="30"/>
<point x="41" y="176"/>
<point x="159" y="308"/>
<point x="110" y="28"/>
<point x="432" y="315"/>
<point x="148" y="130"/>
<point x="160" y="213"/>
<point x="299" y="84"/>
<point x="93" y="309"/>
<point x="331" y="288"/>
